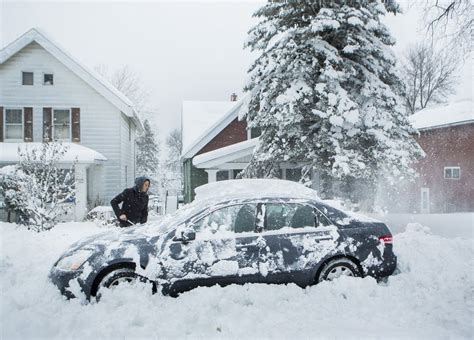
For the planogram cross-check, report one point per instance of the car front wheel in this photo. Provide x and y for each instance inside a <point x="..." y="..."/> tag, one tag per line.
<point x="337" y="268"/>
<point x="120" y="277"/>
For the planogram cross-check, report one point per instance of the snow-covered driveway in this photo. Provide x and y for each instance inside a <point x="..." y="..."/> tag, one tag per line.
<point x="432" y="297"/>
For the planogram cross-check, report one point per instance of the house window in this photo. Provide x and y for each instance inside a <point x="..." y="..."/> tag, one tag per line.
<point x="222" y="175"/>
<point x="48" y="79"/>
<point x="452" y="172"/>
<point x="27" y="78"/>
<point x="253" y="132"/>
<point x="293" y="174"/>
<point x="62" y="124"/>
<point x="14" y="124"/>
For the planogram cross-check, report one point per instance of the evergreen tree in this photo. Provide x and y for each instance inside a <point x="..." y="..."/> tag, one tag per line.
<point x="324" y="89"/>
<point x="148" y="152"/>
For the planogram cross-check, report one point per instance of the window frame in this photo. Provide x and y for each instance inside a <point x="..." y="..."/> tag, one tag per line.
<point x="308" y="204"/>
<point x="32" y="75"/>
<point x="14" y="140"/>
<point x="451" y="168"/>
<point x="196" y="219"/>
<point x="44" y="74"/>
<point x="53" y="127"/>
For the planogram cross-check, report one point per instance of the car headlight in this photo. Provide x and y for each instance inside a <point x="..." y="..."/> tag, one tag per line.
<point x="74" y="261"/>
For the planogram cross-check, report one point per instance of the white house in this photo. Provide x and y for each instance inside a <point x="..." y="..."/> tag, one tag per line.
<point x="46" y="94"/>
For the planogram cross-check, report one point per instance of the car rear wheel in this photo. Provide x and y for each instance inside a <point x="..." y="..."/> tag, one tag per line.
<point x="337" y="268"/>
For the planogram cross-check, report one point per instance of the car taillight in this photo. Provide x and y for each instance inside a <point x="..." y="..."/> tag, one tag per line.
<point x="387" y="239"/>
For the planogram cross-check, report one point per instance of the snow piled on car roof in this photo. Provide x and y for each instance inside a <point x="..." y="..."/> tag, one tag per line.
<point x="254" y="188"/>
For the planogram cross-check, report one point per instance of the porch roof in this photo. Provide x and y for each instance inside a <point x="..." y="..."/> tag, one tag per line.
<point x="234" y="152"/>
<point x="75" y="152"/>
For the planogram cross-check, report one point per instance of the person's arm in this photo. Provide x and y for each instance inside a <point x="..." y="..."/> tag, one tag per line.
<point x="115" y="203"/>
<point x="145" y="212"/>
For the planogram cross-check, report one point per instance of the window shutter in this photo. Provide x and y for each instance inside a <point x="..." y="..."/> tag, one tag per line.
<point x="47" y="124"/>
<point x="1" y="123"/>
<point x="28" y="124"/>
<point x="76" y="124"/>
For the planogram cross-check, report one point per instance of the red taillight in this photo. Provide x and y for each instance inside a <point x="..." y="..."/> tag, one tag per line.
<point x="387" y="239"/>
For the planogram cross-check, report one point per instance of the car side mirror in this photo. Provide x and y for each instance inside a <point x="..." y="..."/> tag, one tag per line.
<point x="185" y="235"/>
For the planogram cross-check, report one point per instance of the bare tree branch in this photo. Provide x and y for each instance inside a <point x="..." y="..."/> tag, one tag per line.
<point x="429" y="76"/>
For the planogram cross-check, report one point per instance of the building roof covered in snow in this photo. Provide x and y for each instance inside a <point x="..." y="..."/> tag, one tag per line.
<point x="228" y="153"/>
<point x="455" y="113"/>
<point x="91" y="77"/>
<point x="75" y="152"/>
<point x="201" y="121"/>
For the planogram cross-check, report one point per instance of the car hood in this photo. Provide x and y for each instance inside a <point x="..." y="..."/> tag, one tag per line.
<point x="112" y="237"/>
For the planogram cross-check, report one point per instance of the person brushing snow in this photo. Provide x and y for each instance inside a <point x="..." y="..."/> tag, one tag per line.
<point x="134" y="203"/>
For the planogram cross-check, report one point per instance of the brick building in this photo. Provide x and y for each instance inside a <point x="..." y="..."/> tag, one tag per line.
<point x="446" y="181"/>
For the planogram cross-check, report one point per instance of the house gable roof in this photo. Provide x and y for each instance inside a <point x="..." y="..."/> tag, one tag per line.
<point x="444" y="115"/>
<point x="91" y="77"/>
<point x="226" y="113"/>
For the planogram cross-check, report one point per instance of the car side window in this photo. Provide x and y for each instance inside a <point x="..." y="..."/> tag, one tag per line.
<point x="235" y="218"/>
<point x="280" y="215"/>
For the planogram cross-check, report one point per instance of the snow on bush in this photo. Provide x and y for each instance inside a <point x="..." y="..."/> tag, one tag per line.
<point x="431" y="297"/>
<point x="38" y="189"/>
<point x="102" y="216"/>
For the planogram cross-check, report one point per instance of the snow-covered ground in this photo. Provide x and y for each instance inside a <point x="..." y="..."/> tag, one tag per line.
<point x="431" y="297"/>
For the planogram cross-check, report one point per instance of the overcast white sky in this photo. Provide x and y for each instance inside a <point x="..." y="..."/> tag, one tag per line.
<point x="181" y="50"/>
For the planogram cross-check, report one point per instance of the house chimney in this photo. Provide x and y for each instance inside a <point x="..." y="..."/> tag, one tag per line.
<point x="233" y="97"/>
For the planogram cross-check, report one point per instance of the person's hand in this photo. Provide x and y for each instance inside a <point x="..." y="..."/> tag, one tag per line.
<point x="123" y="217"/>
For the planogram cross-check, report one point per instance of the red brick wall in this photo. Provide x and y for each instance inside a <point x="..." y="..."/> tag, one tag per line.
<point x="233" y="133"/>
<point x="450" y="146"/>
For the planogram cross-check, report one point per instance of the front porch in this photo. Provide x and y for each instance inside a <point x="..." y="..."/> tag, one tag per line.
<point x="88" y="167"/>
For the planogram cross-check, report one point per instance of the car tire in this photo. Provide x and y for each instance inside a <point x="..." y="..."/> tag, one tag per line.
<point x="120" y="276"/>
<point x="337" y="268"/>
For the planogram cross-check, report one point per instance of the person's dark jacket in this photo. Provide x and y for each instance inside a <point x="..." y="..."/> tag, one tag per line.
<point x="134" y="204"/>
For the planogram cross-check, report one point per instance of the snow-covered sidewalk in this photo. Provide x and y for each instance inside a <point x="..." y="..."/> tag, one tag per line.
<point x="432" y="297"/>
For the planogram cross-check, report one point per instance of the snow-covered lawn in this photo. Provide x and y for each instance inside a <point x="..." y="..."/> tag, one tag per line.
<point x="432" y="297"/>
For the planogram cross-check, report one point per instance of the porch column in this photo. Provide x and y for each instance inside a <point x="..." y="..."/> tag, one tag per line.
<point x="80" y="209"/>
<point x="211" y="175"/>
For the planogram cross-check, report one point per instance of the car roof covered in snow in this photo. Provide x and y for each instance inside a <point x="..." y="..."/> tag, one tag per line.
<point x="449" y="114"/>
<point x="254" y="188"/>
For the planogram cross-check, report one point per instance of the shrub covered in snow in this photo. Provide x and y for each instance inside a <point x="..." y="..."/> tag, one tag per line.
<point x="103" y="216"/>
<point x="38" y="189"/>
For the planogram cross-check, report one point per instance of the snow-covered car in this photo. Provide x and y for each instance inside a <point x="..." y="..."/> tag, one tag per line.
<point x="235" y="232"/>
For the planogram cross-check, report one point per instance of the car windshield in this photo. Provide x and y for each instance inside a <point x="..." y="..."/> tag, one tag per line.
<point x="179" y="216"/>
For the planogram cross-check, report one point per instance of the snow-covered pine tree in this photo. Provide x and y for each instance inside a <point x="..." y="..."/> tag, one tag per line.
<point x="148" y="152"/>
<point x="39" y="189"/>
<point x="324" y="89"/>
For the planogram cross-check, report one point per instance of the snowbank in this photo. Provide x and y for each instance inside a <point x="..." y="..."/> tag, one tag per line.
<point x="430" y="298"/>
<point x="446" y="225"/>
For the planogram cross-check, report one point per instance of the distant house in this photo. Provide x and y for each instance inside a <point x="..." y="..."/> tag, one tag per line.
<point x="217" y="145"/>
<point x="45" y="95"/>
<point x="446" y="182"/>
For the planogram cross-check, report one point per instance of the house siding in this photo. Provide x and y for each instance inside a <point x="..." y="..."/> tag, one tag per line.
<point x="100" y="120"/>
<point x="233" y="133"/>
<point x="194" y="178"/>
<point x="127" y="152"/>
<point x="447" y="147"/>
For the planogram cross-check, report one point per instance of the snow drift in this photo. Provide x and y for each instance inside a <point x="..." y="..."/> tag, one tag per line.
<point x="430" y="297"/>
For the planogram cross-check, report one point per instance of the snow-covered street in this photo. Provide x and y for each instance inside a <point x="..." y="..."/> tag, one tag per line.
<point x="431" y="297"/>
